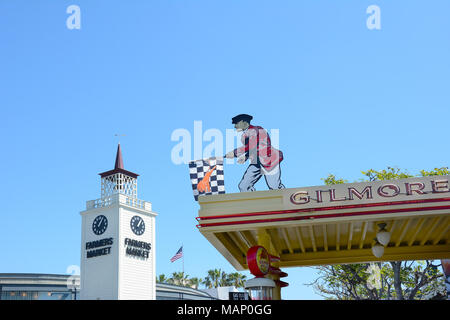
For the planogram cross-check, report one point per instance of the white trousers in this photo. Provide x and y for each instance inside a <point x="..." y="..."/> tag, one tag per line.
<point x="254" y="172"/>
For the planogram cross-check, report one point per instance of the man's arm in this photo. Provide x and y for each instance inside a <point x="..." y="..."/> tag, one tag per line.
<point x="230" y="155"/>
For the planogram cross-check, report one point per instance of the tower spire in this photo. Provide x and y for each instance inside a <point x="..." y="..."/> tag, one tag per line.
<point x="119" y="159"/>
<point x="118" y="166"/>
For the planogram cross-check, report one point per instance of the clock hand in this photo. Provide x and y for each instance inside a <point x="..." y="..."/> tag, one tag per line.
<point x="102" y="222"/>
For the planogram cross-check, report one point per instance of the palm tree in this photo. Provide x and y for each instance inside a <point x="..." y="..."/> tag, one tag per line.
<point x="162" y="278"/>
<point x="179" y="279"/>
<point x="218" y="278"/>
<point x="194" y="282"/>
<point x="236" y="279"/>
<point x="207" y="282"/>
<point x="212" y="279"/>
<point x="223" y="279"/>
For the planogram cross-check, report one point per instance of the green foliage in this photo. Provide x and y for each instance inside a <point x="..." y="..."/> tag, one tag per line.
<point x="389" y="174"/>
<point x="179" y="279"/>
<point x="236" y="279"/>
<point x="218" y="278"/>
<point x="161" y="278"/>
<point x="331" y="179"/>
<point x="436" y="172"/>
<point x="215" y="278"/>
<point x="195" y="282"/>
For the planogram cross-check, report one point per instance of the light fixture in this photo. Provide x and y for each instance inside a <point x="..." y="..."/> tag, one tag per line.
<point x="377" y="249"/>
<point x="260" y="288"/>
<point x="383" y="236"/>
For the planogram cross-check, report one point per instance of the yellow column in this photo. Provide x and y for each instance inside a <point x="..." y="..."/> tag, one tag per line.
<point x="264" y="240"/>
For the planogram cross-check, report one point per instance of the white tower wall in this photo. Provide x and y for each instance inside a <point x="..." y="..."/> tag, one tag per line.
<point x="116" y="274"/>
<point x="99" y="275"/>
<point x="136" y="274"/>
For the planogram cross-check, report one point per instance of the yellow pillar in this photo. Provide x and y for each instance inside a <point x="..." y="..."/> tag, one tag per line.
<point x="264" y="240"/>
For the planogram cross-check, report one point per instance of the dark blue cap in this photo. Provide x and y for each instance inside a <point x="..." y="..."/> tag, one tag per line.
<point x="239" y="117"/>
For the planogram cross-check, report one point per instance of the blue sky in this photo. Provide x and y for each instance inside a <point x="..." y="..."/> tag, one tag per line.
<point x="344" y="99"/>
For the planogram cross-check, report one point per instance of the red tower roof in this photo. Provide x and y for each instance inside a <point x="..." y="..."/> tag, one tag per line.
<point x="119" y="160"/>
<point x="118" y="166"/>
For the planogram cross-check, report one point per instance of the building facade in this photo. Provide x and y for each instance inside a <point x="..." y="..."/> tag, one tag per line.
<point x="34" y="286"/>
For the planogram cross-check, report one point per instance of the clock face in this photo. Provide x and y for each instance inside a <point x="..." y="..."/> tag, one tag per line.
<point x="137" y="225"/>
<point x="100" y="224"/>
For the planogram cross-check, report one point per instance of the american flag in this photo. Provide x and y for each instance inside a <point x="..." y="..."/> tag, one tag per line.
<point x="178" y="255"/>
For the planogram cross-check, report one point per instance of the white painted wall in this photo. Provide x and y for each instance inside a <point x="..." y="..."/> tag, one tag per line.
<point x="117" y="275"/>
<point x="137" y="275"/>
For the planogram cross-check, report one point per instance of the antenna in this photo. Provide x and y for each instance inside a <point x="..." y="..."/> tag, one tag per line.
<point x="119" y="135"/>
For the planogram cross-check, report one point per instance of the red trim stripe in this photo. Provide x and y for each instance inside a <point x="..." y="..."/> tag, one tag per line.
<point x="354" y="206"/>
<point x="324" y="216"/>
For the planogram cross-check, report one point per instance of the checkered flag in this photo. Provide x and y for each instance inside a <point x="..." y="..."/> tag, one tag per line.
<point x="207" y="176"/>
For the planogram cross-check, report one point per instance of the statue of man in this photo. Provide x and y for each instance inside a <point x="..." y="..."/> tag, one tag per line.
<point x="264" y="159"/>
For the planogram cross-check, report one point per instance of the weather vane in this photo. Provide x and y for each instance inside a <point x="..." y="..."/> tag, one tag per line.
<point x="119" y="135"/>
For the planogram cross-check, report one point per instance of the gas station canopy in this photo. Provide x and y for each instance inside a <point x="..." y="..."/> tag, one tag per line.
<point x="335" y="224"/>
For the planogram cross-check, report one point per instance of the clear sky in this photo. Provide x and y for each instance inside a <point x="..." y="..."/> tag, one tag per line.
<point x="344" y="98"/>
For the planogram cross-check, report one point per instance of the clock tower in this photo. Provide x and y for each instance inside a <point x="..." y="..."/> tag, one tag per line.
<point x="118" y="240"/>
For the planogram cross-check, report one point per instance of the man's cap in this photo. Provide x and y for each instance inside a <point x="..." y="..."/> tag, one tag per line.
<point x="239" y="117"/>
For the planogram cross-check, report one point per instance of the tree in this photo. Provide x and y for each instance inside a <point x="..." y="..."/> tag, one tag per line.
<point x="411" y="280"/>
<point x="179" y="279"/>
<point x="162" y="279"/>
<point x="215" y="278"/>
<point x="223" y="279"/>
<point x="194" y="282"/>
<point x="218" y="278"/>
<point x="236" y="279"/>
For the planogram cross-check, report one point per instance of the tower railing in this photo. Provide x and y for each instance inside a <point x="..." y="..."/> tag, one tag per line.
<point x="118" y="198"/>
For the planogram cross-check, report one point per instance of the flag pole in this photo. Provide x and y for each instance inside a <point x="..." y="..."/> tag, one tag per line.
<point x="183" y="258"/>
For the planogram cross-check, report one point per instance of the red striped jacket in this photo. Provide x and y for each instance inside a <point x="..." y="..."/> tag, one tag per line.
<point x="258" y="148"/>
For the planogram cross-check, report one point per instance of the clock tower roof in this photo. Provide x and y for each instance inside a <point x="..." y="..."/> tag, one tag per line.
<point x="118" y="166"/>
<point x="119" y="159"/>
